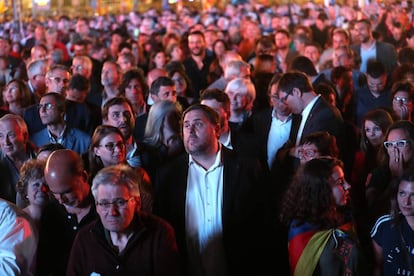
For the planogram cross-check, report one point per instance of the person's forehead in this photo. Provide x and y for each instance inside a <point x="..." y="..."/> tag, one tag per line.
<point x="59" y="72"/>
<point x="119" y="107"/>
<point x="195" y="115"/>
<point x="9" y="125"/>
<point x="47" y="99"/>
<point x="166" y="88"/>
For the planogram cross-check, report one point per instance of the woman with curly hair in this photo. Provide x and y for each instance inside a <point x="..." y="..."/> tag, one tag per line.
<point x="33" y="188"/>
<point x="320" y="234"/>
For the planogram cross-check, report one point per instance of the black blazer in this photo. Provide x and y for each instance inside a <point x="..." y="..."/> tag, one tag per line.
<point x="322" y="117"/>
<point x="245" y="233"/>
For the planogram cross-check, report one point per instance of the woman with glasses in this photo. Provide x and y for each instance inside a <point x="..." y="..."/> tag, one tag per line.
<point x="107" y="148"/>
<point x="320" y="234"/>
<point x="402" y="100"/>
<point x="16" y="97"/>
<point x="396" y="154"/>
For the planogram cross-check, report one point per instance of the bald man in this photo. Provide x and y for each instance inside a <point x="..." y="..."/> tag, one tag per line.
<point x="72" y="210"/>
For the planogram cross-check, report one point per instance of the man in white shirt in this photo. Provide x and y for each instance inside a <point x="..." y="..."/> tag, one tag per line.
<point x="18" y="242"/>
<point x="209" y="196"/>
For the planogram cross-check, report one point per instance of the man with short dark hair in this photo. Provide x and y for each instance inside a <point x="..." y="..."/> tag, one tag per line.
<point x="376" y="92"/>
<point x="370" y="48"/>
<point x="198" y="64"/>
<point x="52" y="113"/>
<point x="163" y="88"/>
<point x="118" y="112"/>
<point x="212" y="202"/>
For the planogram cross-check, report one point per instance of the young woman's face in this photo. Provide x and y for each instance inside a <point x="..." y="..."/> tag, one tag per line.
<point x="401" y="147"/>
<point x="340" y="188"/>
<point x="111" y="149"/>
<point x="373" y="132"/>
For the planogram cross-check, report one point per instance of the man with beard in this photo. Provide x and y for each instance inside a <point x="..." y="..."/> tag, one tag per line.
<point x="210" y="197"/>
<point x="118" y="112"/>
<point x="369" y="48"/>
<point x="52" y="113"/>
<point x="284" y="55"/>
<point x="198" y="64"/>
<point x="64" y="217"/>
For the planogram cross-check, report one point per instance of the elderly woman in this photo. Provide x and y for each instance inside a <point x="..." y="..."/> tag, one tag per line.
<point x="33" y="187"/>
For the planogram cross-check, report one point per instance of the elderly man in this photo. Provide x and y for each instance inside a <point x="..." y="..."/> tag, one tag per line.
<point x="242" y="94"/>
<point x="15" y="148"/>
<point x="142" y="243"/>
<point x="72" y="210"/>
<point x="212" y="202"/>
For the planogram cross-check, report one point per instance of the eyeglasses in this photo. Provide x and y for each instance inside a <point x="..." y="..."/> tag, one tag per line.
<point x="309" y="153"/>
<point x="111" y="146"/>
<point x="47" y="106"/>
<point x="77" y="67"/>
<point x="58" y="79"/>
<point x="118" y="203"/>
<point x="284" y="99"/>
<point x="401" y="100"/>
<point x="398" y="144"/>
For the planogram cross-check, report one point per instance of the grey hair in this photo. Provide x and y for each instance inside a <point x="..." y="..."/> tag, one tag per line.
<point x="117" y="175"/>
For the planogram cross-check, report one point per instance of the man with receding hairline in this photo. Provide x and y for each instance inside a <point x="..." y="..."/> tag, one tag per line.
<point x="72" y="210"/>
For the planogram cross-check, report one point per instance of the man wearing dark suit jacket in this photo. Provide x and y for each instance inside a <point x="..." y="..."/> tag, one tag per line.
<point x="210" y="197"/>
<point x="370" y="48"/>
<point x="295" y="89"/>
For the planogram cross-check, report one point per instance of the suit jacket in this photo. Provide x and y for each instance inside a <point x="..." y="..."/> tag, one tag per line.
<point x="385" y="53"/>
<point x="322" y="117"/>
<point x="75" y="139"/>
<point x="243" y="214"/>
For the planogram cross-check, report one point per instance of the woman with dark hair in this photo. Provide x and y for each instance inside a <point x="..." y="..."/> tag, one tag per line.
<point x="107" y="148"/>
<point x="396" y="154"/>
<point x="182" y="86"/>
<point x="135" y="89"/>
<point x="393" y="234"/>
<point x="16" y="96"/>
<point x="321" y="240"/>
<point x="374" y="126"/>
<point x="403" y="100"/>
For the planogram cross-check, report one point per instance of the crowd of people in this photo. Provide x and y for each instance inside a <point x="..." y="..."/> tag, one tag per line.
<point x="253" y="140"/>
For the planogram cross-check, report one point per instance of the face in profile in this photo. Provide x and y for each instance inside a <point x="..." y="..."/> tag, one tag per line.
<point x="340" y="187"/>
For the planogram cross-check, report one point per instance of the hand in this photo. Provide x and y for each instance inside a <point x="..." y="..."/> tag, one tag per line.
<point x="396" y="162"/>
